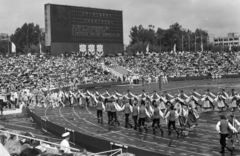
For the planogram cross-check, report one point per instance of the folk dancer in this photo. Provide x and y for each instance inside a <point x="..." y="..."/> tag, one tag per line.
<point x="192" y="117"/>
<point x="108" y="109"/>
<point x="225" y="94"/>
<point x="235" y="123"/>
<point x="127" y="109"/>
<point x="220" y="101"/>
<point x="135" y="113"/>
<point x="171" y="117"/>
<point x="207" y="102"/>
<point x="143" y="114"/>
<point x="222" y="127"/>
<point x="209" y="94"/>
<point x="157" y="113"/>
<point x="193" y="101"/>
<point x="100" y="108"/>
<point x="234" y="97"/>
<point x="168" y="97"/>
<point x="114" y="108"/>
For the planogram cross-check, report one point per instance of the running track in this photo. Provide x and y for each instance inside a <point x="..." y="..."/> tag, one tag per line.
<point x="203" y="142"/>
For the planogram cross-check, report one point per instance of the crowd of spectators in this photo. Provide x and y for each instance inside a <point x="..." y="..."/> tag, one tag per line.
<point x="52" y="71"/>
<point x="178" y="64"/>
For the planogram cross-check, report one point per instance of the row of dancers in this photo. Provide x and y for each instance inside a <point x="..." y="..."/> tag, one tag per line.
<point x="144" y="108"/>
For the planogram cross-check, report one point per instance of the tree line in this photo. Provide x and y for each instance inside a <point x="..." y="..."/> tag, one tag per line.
<point x="28" y="39"/>
<point x="161" y="40"/>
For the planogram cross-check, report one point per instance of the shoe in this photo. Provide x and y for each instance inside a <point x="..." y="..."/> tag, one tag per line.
<point x="222" y="152"/>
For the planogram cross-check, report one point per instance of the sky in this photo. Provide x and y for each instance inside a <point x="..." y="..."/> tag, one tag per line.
<point x="218" y="17"/>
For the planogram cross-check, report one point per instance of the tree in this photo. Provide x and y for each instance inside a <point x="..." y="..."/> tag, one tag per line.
<point x="26" y="36"/>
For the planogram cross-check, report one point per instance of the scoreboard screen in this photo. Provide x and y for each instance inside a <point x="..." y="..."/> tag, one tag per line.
<point x="71" y="24"/>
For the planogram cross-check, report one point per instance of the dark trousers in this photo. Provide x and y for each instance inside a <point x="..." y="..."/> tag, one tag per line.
<point x="172" y="124"/>
<point x="99" y="116"/>
<point x="135" y="121"/>
<point x="223" y="139"/>
<point x="127" y="120"/>
<point x="109" y="116"/>
<point x="141" y="122"/>
<point x="157" y="122"/>
<point x="114" y="117"/>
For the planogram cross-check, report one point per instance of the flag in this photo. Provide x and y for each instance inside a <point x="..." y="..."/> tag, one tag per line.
<point x="13" y="48"/>
<point x="201" y="46"/>
<point x="230" y="47"/>
<point x="147" y="49"/>
<point x="174" y="48"/>
<point x="40" y="47"/>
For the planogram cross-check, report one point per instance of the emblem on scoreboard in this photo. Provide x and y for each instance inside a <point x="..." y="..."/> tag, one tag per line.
<point x="99" y="50"/>
<point x="82" y="48"/>
<point x="91" y="49"/>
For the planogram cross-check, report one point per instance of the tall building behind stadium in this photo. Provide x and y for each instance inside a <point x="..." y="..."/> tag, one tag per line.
<point x="84" y="30"/>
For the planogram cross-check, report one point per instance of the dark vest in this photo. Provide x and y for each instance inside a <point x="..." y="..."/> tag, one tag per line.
<point x="224" y="127"/>
<point x="156" y="113"/>
<point x="142" y="112"/>
<point x="135" y="111"/>
<point x="172" y="115"/>
<point x="127" y="108"/>
<point x="113" y="108"/>
<point x="108" y="107"/>
<point x="99" y="105"/>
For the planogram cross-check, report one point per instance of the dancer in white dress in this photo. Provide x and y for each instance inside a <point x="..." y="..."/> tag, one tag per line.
<point x="220" y="101"/>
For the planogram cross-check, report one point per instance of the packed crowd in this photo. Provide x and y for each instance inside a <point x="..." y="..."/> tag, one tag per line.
<point x="51" y="72"/>
<point x="177" y="64"/>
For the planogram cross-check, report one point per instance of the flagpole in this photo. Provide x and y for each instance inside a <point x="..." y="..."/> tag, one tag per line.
<point x="182" y="43"/>
<point x="189" y="42"/>
<point x="195" y="43"/>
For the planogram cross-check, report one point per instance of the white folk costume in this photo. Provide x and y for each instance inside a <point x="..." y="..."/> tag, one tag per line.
<point x="192" y="100"/>
<point x="162" y="103"/>
<point x="206" y="102"/>
<point x="220" y="101"/>
<point x="234" y="97"/>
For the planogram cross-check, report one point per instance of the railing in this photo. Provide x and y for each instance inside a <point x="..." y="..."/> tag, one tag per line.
<point x="113" y="152"/>
<point x="41" y="141"/>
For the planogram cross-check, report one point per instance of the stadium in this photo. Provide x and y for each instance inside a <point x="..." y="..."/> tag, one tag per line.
<point x="90" y="97"/>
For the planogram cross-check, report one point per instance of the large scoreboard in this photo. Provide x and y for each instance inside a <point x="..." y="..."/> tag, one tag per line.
<point x="83" y="30"/>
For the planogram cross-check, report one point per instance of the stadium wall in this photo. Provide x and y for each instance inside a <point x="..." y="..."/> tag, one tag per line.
<point x="62" y="48"/>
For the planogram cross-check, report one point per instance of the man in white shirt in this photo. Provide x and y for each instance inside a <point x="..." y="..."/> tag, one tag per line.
<point x="65" y="146"/>
<point x="223" y="128"/>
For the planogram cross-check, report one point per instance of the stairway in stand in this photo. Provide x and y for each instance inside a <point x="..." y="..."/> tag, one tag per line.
<point x="121" y="70"/>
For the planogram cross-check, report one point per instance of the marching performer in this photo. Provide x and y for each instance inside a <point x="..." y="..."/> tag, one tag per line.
<point x="220" y="101"/>
<point x="135" y="114"/>
<point x="172" y="115"/>
<point x="235" y="123"/>
<point x="223" y="128"/>
<point x="157" y="113"/>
